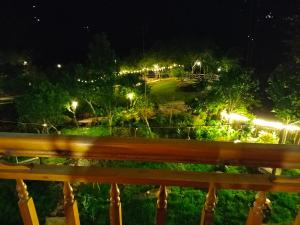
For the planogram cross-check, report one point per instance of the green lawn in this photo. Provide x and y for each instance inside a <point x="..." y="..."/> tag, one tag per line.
<point x="166" y="90"/>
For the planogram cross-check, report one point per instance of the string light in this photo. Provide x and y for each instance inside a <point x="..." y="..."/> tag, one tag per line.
<point x="154" y="68"/>
<point x="258" y="122"/>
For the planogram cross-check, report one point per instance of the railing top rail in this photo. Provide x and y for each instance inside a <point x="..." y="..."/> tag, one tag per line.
<point x="152" y="150"/>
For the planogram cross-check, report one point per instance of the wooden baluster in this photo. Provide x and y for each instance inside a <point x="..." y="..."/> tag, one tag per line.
<point x="209" y="206"/>
<point x="115" y="211"/>
<point x="70" y="205"/>
<point x="26" y="205"/>
<point x="256" y="213"/>
<point x="297" y="220"/>
<point x="161" y="205"/>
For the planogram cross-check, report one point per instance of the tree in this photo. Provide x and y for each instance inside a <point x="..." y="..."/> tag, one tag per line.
<point x="145" y="110"/>
<point x="284" y="92"/>
<point x="235" y="91"/>
<point x="95" y="81"/>
<point x="44" y="104"/>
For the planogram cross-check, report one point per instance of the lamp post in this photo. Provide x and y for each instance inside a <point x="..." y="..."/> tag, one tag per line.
<point x="156" y="69"/>
<point x="196" y="63"/>
<point x="74" y="105"/>
<point x="130" y="96"/>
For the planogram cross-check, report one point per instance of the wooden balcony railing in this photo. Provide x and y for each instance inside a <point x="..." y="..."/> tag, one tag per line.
<point x="184" y="151"/>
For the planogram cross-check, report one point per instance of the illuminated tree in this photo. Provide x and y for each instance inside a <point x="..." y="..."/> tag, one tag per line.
<point x="95" y="81"/>
<point x="43" y="105"/>
<point x="235" y="92"/>
<point x="284" y="92"/>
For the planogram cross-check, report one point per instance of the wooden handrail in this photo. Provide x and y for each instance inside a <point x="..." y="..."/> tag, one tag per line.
<point x="187" y="151"/>
<point x="262" y="182"/>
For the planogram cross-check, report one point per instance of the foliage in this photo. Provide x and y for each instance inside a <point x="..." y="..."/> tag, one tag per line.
<point x="9" y="208"/>
<point x="284" y="207"/>
<point x="40" y="191"/>
<point x="267" y="138"/>
<point x="93" y="204"/>
<point x="184" y="206"/>
<point x="284" y="92"/>
<point x="232" y="207"/>
<point x="235" y="91"/>
<point x="145" y="110"/>
<point x="43" y="103"/>
<point x="45" y="192"/>
<point x="216" y="131"/>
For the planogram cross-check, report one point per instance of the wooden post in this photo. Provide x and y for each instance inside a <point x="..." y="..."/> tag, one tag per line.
<point x="297" y="138"/>
<point x="26" y="205"/>
<point x="209" y="206"/>
<point x="161" y="205"/>
<point x="256" y="213"/>
<point x="115" y="211"/>
<point x="297" y="220"/>
<point x="70" y="205"/>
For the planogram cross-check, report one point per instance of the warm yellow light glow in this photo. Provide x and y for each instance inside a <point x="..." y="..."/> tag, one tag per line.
<point x="219" y="69"/>
<point x="45" y="125"/>
<point x="258" y="122"/>
<point x="198" y="63"/>
<point x="154" y="68"/>
<point x="292" y="128"/>
<point x="264" y="123"/>
<point x="130" y="96"/>
<point x="25" y="63"/>
<point x="59" y="66"/>
<point x="233" y="116"/>
<point x="74" y="105"/>
<point x="276" y="125"/>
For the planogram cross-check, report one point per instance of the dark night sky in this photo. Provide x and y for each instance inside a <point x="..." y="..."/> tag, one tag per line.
<point x="59" y="31"/>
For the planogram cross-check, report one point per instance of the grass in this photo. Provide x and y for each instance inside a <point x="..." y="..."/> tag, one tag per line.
<point x="166" y="90"/>
<point x="87" y="131"/>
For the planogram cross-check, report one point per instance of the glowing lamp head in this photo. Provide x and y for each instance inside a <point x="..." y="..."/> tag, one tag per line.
<point x="198" y="63"/>
<point x="58" y="66"/>
<point x="233" y="116"/>
<point x="74" y="105"/>
<point x="130" y="96"/>
<point x="219" y="69"/>
<point x="156" y="67"/>
<point x="25" y="63"/>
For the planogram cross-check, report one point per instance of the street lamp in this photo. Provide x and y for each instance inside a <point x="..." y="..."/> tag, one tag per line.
<point x="25" y="63"/>
<point x="197" y="63"/>
<point x="156" y="69"/>
<point x="58" y="66"/>
<point x="130" y="96"/>
<point x="74" y="105"/>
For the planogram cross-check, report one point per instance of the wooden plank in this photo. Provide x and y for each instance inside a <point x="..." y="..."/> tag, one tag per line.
<point x="115" y="208"/>
<point x="26" y="204"/>
<point x="161" y="150"/>
<point x="151" y="176"/>
<point x="70" y="205"/>
<point x="256" y="213"/>
<point x="72" y="215"/>
<point x="297" y="219"/>
<point x="207" y="215"/>
<point x="28" y="212"/>
<point x="161" y="205"/>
